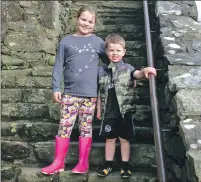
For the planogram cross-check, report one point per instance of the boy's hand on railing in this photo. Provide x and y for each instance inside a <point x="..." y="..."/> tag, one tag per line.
<point x="56" y="97"/>
<point x="148" y="71"/>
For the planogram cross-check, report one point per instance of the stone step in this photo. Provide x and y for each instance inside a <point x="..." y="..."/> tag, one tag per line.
<point x="102" y="13"/>
<point x="126" y="36"/>
<point x="134" y="5"/>
<point x="104" y="1"/>
<point x="42" y="85"/>
<point x="16" y="111"/>
<point x="121" y="20"/>
<point x="42" y="153"/>
<point x="136" y="61"/>
<point x="135" y="52"/>
<point x="19" y="110"/>
<point x="34" y="175"/>
<point x="136" y="45"/>
<point x="142" y="155"/>
<point x="117" y="12"/>
<point x="44" y="96"/>
<point x="119" y="29"/>
<point x="130" y="45"/>
<point x="33" y="131"/>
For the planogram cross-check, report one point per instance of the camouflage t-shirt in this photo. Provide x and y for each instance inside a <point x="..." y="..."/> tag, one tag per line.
<point x="112" y="107"/>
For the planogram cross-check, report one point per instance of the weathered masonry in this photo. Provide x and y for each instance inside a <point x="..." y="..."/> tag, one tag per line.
<point x="31" y="31"/>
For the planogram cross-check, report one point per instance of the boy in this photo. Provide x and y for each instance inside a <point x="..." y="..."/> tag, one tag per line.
<point x="116" y="103"/>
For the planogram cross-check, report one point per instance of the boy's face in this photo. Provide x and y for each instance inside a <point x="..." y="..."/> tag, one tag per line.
<point x="115" y="52"/>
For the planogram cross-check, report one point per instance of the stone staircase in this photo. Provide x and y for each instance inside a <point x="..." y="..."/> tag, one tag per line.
<point x="30" y="119"/>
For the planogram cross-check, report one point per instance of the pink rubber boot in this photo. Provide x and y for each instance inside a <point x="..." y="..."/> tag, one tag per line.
<point x="61" y="148"/>
<point x="84" y="151"/>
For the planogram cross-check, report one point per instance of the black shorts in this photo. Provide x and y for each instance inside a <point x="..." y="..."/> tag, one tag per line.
<point x="118" y="127"/>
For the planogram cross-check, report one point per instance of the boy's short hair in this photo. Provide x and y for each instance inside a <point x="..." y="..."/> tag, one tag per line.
<point x="115" y="39"/>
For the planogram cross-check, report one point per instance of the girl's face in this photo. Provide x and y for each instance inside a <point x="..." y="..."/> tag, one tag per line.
<point x="86" y="23"/>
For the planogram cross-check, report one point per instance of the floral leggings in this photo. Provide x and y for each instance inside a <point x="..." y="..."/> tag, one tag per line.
<point x="71" y="107"/>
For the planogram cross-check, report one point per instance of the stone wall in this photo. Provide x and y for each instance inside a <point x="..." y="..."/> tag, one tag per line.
<point x="180" y="48"/>
<point x="30" y="34"/>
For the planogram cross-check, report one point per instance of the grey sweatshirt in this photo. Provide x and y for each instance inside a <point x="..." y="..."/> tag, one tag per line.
<point x="77" y="61"/>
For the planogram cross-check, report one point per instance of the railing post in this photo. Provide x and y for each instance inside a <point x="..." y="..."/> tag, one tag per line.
<point x="161" y="169"/>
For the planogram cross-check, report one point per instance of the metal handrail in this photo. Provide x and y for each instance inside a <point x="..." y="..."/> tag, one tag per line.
<point x="161" y="169"/>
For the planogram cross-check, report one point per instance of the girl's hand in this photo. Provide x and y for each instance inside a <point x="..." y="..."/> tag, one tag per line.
<point x="56" y="97"/>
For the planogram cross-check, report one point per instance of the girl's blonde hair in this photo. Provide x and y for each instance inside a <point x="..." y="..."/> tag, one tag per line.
<point x="90" y="9"/>
<point x="115" y="39"/>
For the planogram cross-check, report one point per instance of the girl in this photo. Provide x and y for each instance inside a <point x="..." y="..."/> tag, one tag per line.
<point x="77" y="60"/>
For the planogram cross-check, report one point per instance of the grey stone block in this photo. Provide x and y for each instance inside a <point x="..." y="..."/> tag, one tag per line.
<point x="187" y="102"/>
<point x="14" y="150"/>
<point x="11" y="95"/>
<point x="29" y="130"/>
<point x="38" y="82"/>
<point x="26" y="110"/>
<point x="8" y="81"/>
<point x="30" y="43"/>
<point x="12" y="12"/>
<point x="40" y="96"/>
<point x="190" y="131"/>
<point x="184" y="59"/>
<point x="42" y="71"/>
<point x="11" y="61"/>
<point x="194" y="158"/>
<point x="22" y="73"/>
<point x="165" y="7"/>
<point x="9" y="173"/>
<point x="184" y="77"/>
<point x="33" y="175"/>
